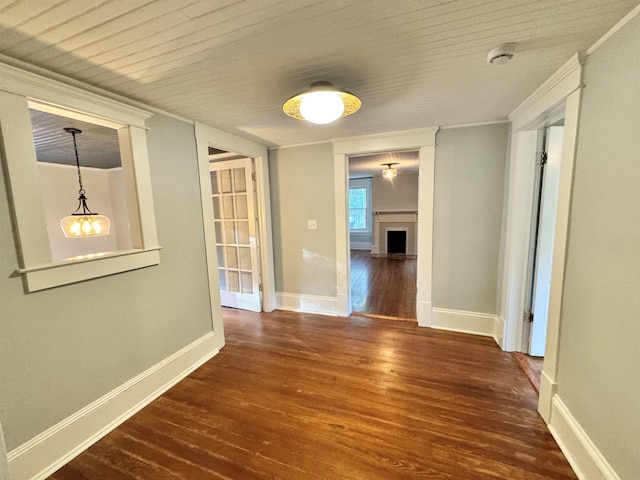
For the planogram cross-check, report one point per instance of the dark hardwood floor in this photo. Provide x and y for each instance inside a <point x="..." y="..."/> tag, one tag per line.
<point x="295" y="396"/>
<point x="531" y="367"/>
<point x="383" y="286"/>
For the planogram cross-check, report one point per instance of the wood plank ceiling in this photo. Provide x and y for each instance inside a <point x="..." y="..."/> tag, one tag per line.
<point x="232" y="63"/>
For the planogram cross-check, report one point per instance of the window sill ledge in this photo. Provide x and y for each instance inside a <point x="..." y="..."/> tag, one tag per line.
<point x="87" y="267"/>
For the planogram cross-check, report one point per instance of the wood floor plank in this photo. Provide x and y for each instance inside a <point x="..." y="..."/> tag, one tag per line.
<point x="296" y="396"/>
<point x="383" y="286"/>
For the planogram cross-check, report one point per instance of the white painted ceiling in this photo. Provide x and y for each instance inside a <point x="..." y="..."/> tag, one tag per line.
<point x="232" y="63"/>
<point x="98" y="146"/>
<point x="363" y="166"/>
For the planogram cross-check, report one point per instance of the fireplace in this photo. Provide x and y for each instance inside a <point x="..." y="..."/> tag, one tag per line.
<point x="396" y="241"/>
<point x="401" y="224"/>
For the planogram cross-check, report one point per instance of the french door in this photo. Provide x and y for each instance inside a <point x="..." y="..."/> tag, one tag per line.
<point x="233" y="199"/>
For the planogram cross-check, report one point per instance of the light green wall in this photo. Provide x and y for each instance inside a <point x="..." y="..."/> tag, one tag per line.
<point x="598" y="363"/>
<point x="400" y="193"/>
<point x="61" y="349"/>
<point x="302" y="188"/>
<point x="469" y="187"/>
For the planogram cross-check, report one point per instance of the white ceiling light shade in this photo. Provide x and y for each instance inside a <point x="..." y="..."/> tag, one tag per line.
<point x="321" y="103"/>
<point x="389" y="172"/>
<point x="501" y="54"/>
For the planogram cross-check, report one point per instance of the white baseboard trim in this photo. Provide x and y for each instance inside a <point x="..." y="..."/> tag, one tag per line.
<point x="360" y="245"/>
<point x="343" y="309"/>
<point x="499" y="327"/>
<point x="317" y="304"/>
<point x="424" y="313"/>
<point x="462" y="321"/>
<point x="545" y="398"/>
<point x="47" y="452"/>
<point x="584" y="457"/>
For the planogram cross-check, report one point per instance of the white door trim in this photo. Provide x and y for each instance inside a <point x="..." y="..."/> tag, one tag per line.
<point x="5" y="474"/>
<point x="205" y="136"/>
<point x="561" y="91"/>
<point x="423" y="140"/>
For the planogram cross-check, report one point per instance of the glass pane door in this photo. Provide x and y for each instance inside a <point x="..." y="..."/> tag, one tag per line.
<point x="233" y="208"/>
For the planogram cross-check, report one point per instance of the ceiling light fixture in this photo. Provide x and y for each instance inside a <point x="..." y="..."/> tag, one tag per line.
<point x="501" y="54"/>
<point x="321" y="103"/>
<point x="389" y="172"/>
<point x="83" y="223"/>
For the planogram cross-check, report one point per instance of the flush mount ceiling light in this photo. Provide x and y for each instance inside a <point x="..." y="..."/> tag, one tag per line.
<point x="501" y="54"/>
<point x="83" y="223"/>
<point x="321" y="103"/>
<point x="389" y="172"/>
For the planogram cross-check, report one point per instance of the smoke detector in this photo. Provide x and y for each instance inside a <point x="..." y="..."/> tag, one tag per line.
<point x="501" y="54"/>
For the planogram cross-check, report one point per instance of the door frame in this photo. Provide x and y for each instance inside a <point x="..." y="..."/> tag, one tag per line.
<point x="546" y="183"/>
<point x="423" y="140"/>
<point x="556" y="98"/>
<point x="208" y="136"/>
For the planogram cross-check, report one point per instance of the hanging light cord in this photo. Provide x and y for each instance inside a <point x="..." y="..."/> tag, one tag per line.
<point x="82" y="199"/>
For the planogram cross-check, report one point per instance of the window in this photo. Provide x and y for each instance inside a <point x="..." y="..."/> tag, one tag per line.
<point x="43" y="261"/>
<point x="360" y="205"/>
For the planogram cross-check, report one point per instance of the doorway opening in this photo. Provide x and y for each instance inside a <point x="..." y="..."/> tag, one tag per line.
<point x="547" y="182"/>
<point x="383" y="215"/>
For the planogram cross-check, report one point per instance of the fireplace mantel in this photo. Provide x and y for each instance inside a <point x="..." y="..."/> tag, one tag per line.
<point x="408" y="217"/>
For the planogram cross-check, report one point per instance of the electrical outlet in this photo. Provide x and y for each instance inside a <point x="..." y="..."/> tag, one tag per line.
<point x="312" y="224"/>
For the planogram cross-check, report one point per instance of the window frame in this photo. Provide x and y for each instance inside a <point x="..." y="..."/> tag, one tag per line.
<point x="358" y="183"/>
<point x="20" y="90"/>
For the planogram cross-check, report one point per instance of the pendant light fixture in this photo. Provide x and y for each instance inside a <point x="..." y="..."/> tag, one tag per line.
<point x="83" y="222"/>
<point x="389" y="172"/>
<point x="321" y="103"/>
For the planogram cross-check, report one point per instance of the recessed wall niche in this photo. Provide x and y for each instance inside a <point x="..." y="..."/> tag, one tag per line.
<point x="102" y="178"/>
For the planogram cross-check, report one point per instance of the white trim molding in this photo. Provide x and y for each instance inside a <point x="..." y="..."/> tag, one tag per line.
<point x="317" y="304"/>
<point x="554" y="90"/>
<point x="47" y="90"/>
<point x="5" y="474"/>
<point x="548" y="388"/>
<point x="45" y="453"/>
<point x="208" y="136"/>
<point x="21" y="90"/>
<point x="584" y="457"/>
<point x="343" y="238"/>
<point x="560" y="95"/>
<point x="517" y="236"/>
<point x="498" y="331"/>
<point x="627" y="18"/>
<point x="463" y="321"/>
<point x="423" y="140"/>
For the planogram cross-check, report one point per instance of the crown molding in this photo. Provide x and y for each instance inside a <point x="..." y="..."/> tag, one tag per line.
<point x="627" y="18"/>
<point x="554" y="90"/>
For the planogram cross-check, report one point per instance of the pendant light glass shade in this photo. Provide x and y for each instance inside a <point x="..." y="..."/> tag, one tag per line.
<point x="321" y="103"/>
<point x="83" y="222"/>
<point x="389" y="172"/>
<point x="92" y="225"/>
<point x="321" y="107"/>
